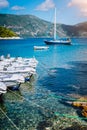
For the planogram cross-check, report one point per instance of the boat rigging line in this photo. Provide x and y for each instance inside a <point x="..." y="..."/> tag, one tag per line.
<point x="9" y="119"/>
<point x="46" y="110"/>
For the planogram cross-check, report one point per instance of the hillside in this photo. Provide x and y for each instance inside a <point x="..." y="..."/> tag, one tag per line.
<point x="4" y="32"/>
<point x="78" y="30"/>
<point x="32" y="26"/>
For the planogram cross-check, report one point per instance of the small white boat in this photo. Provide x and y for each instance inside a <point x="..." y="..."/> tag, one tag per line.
<point x="1" y="58"/>
<point x="12" y="82"/>
<point x="3" y="88"/>
<point x="14" y="71"/>
<point x="14" y="77"/>
<point x="12" y="85"/>
<point x="40" y="47"/>
<point x="19" y="71"/>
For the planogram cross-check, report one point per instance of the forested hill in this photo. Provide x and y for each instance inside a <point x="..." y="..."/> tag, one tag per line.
<point x="4" y="32"/>
<point x="32" y="26"/>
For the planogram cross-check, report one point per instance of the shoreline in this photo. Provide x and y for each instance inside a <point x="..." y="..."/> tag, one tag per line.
<point x="9" y="38"/>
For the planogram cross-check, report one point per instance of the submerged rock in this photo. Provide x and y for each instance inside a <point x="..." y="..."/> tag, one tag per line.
<point x="44" y="125"/>
<point x="82" y="103"/>
<point x="84" y="111"/>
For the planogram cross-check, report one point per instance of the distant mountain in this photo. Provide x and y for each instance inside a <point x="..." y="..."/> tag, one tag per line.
<point x="78" y="30"/>
<point x="32" y="26"/>
<point x="4" y="32"/>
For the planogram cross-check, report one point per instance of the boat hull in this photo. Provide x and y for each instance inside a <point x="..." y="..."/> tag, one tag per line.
<point x="12" y="85"/>
<point x="58" y="42"/>
<point x="40" y="47"/>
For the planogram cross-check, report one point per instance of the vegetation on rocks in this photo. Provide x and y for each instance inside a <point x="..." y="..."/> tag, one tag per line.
<point x="4" y="32"/>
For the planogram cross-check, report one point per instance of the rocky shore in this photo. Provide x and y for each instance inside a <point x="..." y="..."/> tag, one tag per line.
<point x="10" y="38"/>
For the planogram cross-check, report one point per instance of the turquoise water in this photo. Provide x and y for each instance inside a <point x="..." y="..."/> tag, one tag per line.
<point x="61" y="77"/>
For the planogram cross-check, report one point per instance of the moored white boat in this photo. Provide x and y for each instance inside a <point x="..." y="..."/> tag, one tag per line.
<point x="3" y="88"/>
<point x="14" y="71"/>
<point x="12" y="85"/>
<point x="40" y="47"/>
<point x="14" y="77"/>
<point x="19" y="70"/>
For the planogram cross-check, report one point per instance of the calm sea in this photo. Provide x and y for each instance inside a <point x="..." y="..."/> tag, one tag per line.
<point x="61" y="78"/>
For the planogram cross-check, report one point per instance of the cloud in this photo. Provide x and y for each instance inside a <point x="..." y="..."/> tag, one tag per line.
<point x="4" y="4"/>
<point x="45" y="6"/>
<point x="81" y="4"/>
<point x="17" y="8"/>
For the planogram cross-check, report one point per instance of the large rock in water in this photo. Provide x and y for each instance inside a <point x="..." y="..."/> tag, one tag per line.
<point x="82" y="103"/>
<point x="84" y="111"/>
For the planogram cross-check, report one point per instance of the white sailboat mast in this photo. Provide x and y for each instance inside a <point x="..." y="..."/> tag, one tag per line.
<point x="55" y="25"/>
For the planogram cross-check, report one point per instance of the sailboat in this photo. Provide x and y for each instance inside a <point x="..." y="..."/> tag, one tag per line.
<point x="64" y="41"/>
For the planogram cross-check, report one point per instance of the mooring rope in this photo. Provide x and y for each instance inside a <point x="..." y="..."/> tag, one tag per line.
<point x="30" y="102"/>
<point x="63" y="97"/>
<point x="9" y="119"/>
<point x="69" y="116"/>
<point x="55" y="113"/>
<point x="46" y="69"/>
<point x="43" y="66"/>
<point x="68" y="98"/>
<point x="46" y="110"/>
<point x="60" y="97"/>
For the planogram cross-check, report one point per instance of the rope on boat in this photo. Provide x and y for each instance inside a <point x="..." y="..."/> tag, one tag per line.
<point x="55" y="113"/>
<point x="9" y="119"/>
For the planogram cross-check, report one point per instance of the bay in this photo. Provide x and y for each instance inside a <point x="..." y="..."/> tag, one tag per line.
<point x="61" y="77"/>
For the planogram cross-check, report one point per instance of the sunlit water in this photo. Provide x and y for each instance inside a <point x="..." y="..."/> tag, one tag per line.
<point x="61" y="77"/>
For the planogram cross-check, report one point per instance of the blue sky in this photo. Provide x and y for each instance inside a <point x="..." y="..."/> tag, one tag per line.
<point x="68" y="11"/>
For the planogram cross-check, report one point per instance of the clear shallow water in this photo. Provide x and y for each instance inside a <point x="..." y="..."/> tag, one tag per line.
<point x="61" y="76"/>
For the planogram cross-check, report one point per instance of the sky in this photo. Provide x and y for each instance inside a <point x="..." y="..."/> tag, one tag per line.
<point x="69" y="12"/>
